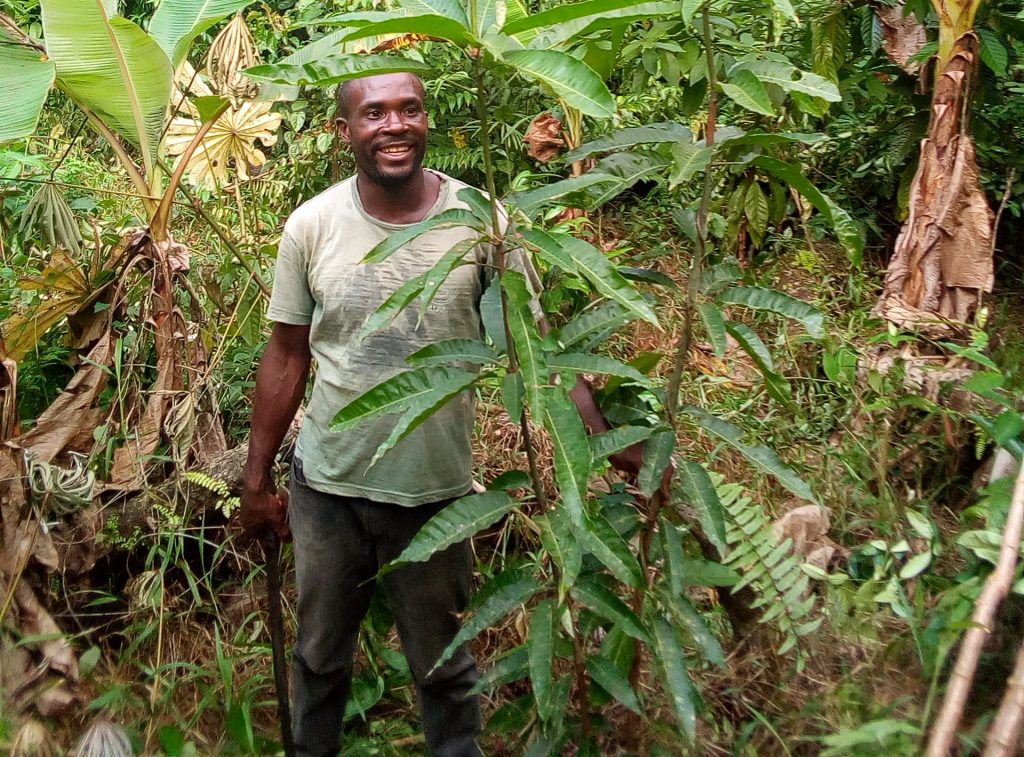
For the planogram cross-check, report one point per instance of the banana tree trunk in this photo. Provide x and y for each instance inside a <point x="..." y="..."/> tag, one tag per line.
<point x="942" y="262"/>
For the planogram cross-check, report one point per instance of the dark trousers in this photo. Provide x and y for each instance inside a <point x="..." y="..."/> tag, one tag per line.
<point x="340" y="544"/>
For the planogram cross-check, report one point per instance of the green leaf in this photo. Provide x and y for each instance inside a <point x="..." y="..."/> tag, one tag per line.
<point x="593" y="322"/>
<point x="595" y="267"/>
<point x="916" y="565"/>
<point x="607" y="443"/>
<point x="421" y="409"/>
<point x="512" y="393"/>
<point x="690" y="8"/>
<point x="747" y="91"/>
<point x="655" y="133"/>
<point x="176" y="23"/>
<point x="541" y="650"/>
<point x="532" y="200"/>
<point x="606" y="675"/>
<point x="993" y="54"/>
<point x="696" y="487"/>
<point x="460" y="254"/>
<point x="398" y="393"/>
<point x="781" y="73"/>
<point x="624" y="169"/>
<point x="324" y="48"/>
<point x="396" y="302"/>
<point x="512" y="665"/>
<point x="714" y="324"/>
<point x="678" y="686"/>
<point x="428" y="24"/>
<point x="209" y="106"/>
<point x="334" y="69"/>
<point x="478" y="203"/>
<point x="785" y="7"/>
<point x="397" y="239"/>
<point x="759" y="298"/>
<point x="755" y="208"/>
<point x="707" y="573"/>
<point x="111" y="67"/>
<point x="585" y="362"/>
<point x="647" y="275"/>
<point x="449" y="8"/>
<point x="458" y="521"/>
<point x="504" y="593"/>
<point x="523" y="327"/>
<point x="559" y="14"/>
<point x="759" y="455"/>
<point x="453" y="350"/>
<point x="570" y="450"/>
<point x="598" y="537"/>
<point x="688" y="161"/>
<point x="688" y="618"/>
<point x="556" y="534"/>
<point x="718" y="276"/>
<point x="657" y="456"/>
<point x="27" y="75"/>
<point x="605" y="604"/>
<point x="569" y="78"/>
<point x="751" y="343"/>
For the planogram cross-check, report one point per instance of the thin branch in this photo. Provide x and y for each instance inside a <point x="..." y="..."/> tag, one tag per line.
<point x="997" y="587"/>
<point x="1007" y="193"/>
<point x="1004" y="736"/>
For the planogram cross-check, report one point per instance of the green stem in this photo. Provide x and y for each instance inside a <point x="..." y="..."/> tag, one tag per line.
<point x="697" y="262"/>
<point x="498" y="241"/>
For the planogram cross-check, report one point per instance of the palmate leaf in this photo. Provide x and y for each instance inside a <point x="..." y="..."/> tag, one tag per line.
<point x="334" y="69"/>
<point x="847" y="231"/>
<point x="678" y="686"/>
<point x="399" y="393"/>
<point x="605" y="604"/>
<point x="570" y="449"/>
<point x="458" y="521"/>
<point x="617" y="439"/>
<point x="569" y="78"/>
<point x="606" y="675"/>
<point x="523" y="327"/>
<point x="397" y="239"/>
<point x="541" y="652"/>
<point x="176" y="23"/>
<point x="27" y="77"/>
<point x="759" y="298"/>
<point x="504" y="593"/>
<point x="751" y="343"/>
<point x="421" y="409"/>
<point x="112" y="67"/>
<point x="656" y="133"/>
<point x="452" y="351"/>
<point x="761" y="456"/>
<point x="585" y="362"/>
<point x="599" y="538"/>
<point x="696" y="487"/>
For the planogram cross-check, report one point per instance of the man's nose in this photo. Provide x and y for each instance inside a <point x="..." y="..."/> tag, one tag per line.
<point x="393" y="121"/>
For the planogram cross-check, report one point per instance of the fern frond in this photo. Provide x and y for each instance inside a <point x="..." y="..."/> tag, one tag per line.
<point x="768" y="567"/>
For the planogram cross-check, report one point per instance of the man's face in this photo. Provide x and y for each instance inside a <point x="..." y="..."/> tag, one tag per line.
<point x="386" y="127"/>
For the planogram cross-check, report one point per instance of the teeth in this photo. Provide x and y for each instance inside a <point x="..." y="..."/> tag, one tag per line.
<point x="394" y="150"/>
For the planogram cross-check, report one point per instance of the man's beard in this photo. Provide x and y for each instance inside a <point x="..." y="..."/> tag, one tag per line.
<point x="388" y="180"/>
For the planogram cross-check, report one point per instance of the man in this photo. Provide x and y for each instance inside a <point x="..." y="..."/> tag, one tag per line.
<point x="348" y="521"/>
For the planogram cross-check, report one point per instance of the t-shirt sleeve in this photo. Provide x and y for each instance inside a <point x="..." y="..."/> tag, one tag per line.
<point x="291" y="300"/>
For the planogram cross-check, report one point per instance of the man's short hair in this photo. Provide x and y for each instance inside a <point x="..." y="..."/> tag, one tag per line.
<point x="344" y="92"/>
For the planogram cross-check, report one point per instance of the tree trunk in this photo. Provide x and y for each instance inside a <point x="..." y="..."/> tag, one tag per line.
<point x="942" y="262"/>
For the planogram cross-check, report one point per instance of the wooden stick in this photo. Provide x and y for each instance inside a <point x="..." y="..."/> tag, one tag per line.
<point x="1004" y="734"/>
<point x="997" y="586"/>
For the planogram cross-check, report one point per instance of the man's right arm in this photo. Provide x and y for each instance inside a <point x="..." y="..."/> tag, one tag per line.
<point x="280" y="386"/>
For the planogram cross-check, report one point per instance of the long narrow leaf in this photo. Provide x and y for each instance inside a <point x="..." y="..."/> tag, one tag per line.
<point x="458" y="521"/>
<point x="570" y="78"/>
<point x="593" y="323"/>
<point x="605" y="604"/>
<point x="751" y="343"/>
<point x="541" y="653"/>
<point x="656" y="133"/>
<point x="714" y="324"/>
<point x="678" y="686"/>
<point x="617" y="439"/>
<point x="585" y="362"/>
<point x="696" y="487"/>
<point x="592" y="264"/>
<point x="428" y="24"/>
<point x="398" y="393"/>
<point x="397" y="239"/>
<point x="657" y="456"/>
<point x="521" y="324"/>
<point x="530" y="201"/>
<point x="334" y="69"/>
<point x="759" y="298"/>
<point x="610" y="678"/>
<point x="453" y="350"/>
<point x="450" y="8"/>
<point x="602" y="541"/>
<point x="570" y="449"/>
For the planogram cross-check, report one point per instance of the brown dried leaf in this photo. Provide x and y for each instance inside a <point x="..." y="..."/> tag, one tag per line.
<point x="903" y="36"/>
<point x="544" y="138"/>
<point x="36" y="621"/>
<point x="8" y="397"/>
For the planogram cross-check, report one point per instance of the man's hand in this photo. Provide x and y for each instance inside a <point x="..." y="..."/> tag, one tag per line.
<point x="263" y="508"/>
<point x="631" y="460"/>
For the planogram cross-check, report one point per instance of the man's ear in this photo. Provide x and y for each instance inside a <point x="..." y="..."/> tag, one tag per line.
<point x="341" y="129"/>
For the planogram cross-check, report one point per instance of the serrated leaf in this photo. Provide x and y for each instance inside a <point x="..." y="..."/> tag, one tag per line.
<point x="656" y="133"/>
<point x="585" y="362"/>
<point x="714" y="324"/>
<point x="759" y="455"/>
<point x="458" y="521"/>
<point x="617" y="439"/>
<point x="400" y="392"/>
<point x="398" y="238"/>
<point x="606" y="675"/>
<point x="747" y="91"/>
<point x="504" y="593"/>
<point x="570" y="450"/>
<point x="605" y="604"/>
<point x="523" y="327"/>
<point x="453" y="350"/>
<point x="696" y="487"/>
<point x="678" y="686"/>
<point x="759" y="298"/>
<point x="657" y="456"/>
<point x="688" y="160"/>
<point x="569" y="78"/>
<point x="600" y="539"/>
<point x="540" y="648"/>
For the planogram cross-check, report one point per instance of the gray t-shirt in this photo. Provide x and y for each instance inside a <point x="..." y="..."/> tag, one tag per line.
<point x="320" y="281"/>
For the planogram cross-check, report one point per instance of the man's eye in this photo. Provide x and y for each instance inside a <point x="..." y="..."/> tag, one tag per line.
<point x="374" y="114"/>
<point x="412" y="111"/>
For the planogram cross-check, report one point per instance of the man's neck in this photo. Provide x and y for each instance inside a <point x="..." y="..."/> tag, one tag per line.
<point x="407" y="203"/>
